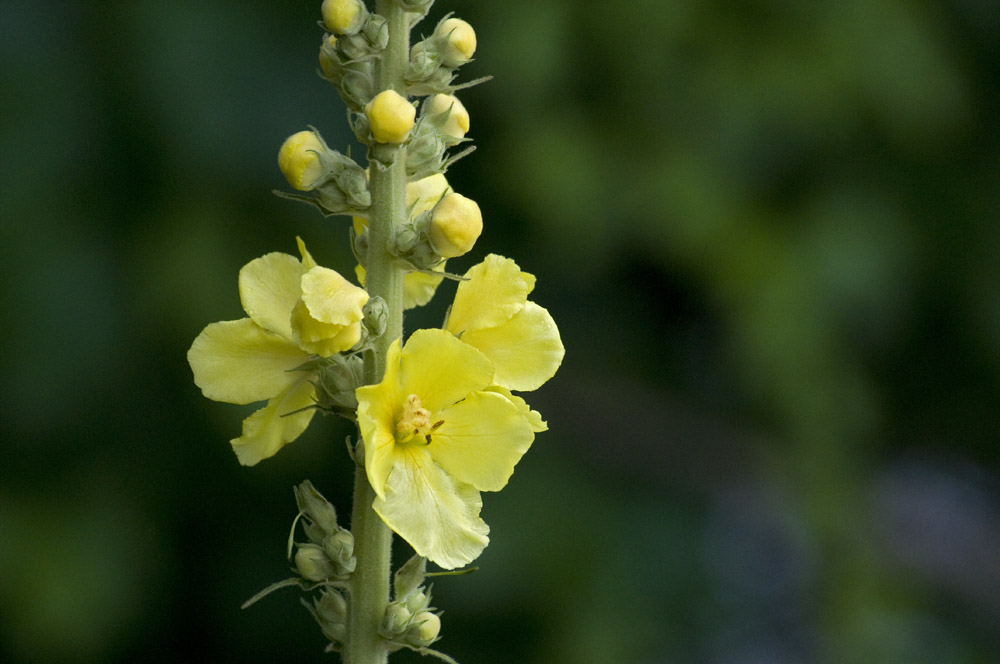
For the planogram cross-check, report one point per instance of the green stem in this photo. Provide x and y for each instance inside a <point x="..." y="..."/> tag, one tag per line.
<point x="372" y="539"/>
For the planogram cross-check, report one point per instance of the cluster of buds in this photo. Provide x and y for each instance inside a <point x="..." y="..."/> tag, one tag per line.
<point x="443" y="123"/>
<point x="338" y="183"/>
<point x="328" y="556"/>
<point x="347" y="56"/>
<point x="447" y="230"/>
<point x="410" y="620"/>
<point x="433" y="61"/>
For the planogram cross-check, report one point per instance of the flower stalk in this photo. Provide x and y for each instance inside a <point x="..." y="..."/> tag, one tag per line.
<point x="369" y="592"/>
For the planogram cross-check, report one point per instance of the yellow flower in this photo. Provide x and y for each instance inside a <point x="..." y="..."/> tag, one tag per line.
<point x="390" y="116"/>
<point x="299" y="160"/>
<point x="421" y="196"/>
<point x="254" y="358"/>
<point x="457" y="122"/>
<point x="492" y="313"/>
<point x="343" y="17"/>
<point x="456" y="224"/>
<point x="435" y="435"/>
<point x="459" y="41"/>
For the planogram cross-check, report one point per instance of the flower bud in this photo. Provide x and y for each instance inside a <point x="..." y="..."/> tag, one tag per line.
<point x="390" y="116"/>
<point x="299" y="160"/>
<point x="312" y="563"/>
<point x="339" y="548"/>
<point x="458" y="41"/>
<point x="329" y="63"/>
<point x="335" y="384"/>
<point x="395" y="621"/>
<point x="455" y="225"/>
<point x="344" y="17"/>
<point x="424" y="629"/>
<point x="417" y="601"/>
<point x="331" y="607"/>
<point x="315" y="507"/>
<point x="454" y="119"/>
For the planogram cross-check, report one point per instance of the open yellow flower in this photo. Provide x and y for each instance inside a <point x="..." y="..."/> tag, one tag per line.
<point x="492" y="313"/>
<point x="296" y="309"/>
<point x="436" y="435"/>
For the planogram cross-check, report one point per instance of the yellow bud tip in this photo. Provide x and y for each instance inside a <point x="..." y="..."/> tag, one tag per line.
<point x="457" y="124"/>
<point x="428" y="626"/>
<point x="299" y="160"/>
<point x="343" y="17"/>
<point x="461" y="41"/>
<point x="456" y="224"/>
<point x="390" y="116"/>
<point x="326" y="57"/>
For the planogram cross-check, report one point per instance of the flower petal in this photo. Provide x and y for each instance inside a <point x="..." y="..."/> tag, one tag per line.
<point x="272" y="427"/>
<point x="525" y="351"/>
<point x="330" y="298"/>
<point x="418" y="287"/>
<point x="492" y="293"/>
<point x="533" y="417"/>
<point x="269" y="288"/>
<point x="482" y="439"/>
<point x="377" y="421"/>
<point x="238" y="362"/>
<point x="438" y="516"/>
<point x="439" y="369"/>
<point x="308" y="262"/>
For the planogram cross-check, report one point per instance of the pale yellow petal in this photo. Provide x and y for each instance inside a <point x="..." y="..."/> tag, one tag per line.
<point x="525" y="351"/>
<point x="419" y="287"/>
<point x="377" y="405"/>
<point x="276" y="424"/>
<point x="492" y="293"/>
<point x="332" y="299"/>
<point x="238" y="362"/>
<point x="441" y="370"/>
<point x="481" y="440"/>
<point x="438" y="516"/>
<point x="308" y="262"/>
<point x="269" y="288"/>
<point x="423" y="194"/>
<point x="342" y="339"/>
<point x="533" y="417"/>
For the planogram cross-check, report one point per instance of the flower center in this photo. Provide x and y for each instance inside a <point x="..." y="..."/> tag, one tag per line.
<point x="414" y="423"/>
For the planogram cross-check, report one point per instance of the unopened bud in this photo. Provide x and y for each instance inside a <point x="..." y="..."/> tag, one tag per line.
<point x="299" y="160"/>
<point x="344" y="17"/>
<point x="329" y="63"/>
<point x="312" y="563"/>
<point x="458" y="41"/>
<point x="395" y="621"/>
<point x="315" y="507"/>
<point x="331" y="607"/>
<point x="339" y="548"/>
<point x="454" y="119"/>
<point x="424" y="629"/>
<point x="417" y="601"/>
<point x="456" y="223"/>
<point x="390" y="116"/>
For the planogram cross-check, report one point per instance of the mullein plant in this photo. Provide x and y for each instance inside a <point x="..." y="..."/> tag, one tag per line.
<point x="437" y="416"/>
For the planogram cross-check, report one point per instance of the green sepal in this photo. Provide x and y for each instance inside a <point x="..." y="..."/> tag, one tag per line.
<point x="278" y="585"/>
<point x="316" y="509"/>
<point x="409" y="577"/>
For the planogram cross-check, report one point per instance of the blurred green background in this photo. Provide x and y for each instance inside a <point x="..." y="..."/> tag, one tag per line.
<point x="767" y="230"/>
